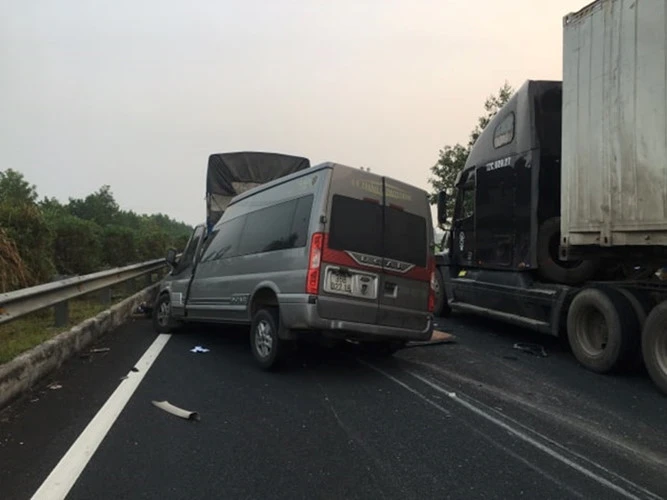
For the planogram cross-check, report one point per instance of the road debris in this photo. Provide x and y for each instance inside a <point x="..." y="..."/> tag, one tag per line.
<point x="534" y="349"/>
<point x="438" y="337"/>
<point x="135" y="369"/>
<point x="175" y="410"/>
<point x="199" y="349"/>
<point x="125" y="377"/>
<point x="55" y="386"/>
<point x="100" y="350"/>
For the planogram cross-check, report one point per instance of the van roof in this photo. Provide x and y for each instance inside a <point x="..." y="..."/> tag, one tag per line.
<point x="301" y="173"/>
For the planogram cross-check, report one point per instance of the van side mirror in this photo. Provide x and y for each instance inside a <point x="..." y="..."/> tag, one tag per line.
<point x="442" y="207"/>
<point x="171" y="257"/>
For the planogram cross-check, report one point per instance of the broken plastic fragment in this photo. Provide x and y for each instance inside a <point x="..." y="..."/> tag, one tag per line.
<point x="100" y="349"/>
<point x="55" y="386"/>
<point x="199" y="349"/>
<point x="534" y="349"/>
<point x="175" y="410"/>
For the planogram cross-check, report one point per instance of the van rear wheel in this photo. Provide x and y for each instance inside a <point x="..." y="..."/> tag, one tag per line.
<point x="267" y="347"/>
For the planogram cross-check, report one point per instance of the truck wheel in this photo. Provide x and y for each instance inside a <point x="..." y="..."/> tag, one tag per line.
<point x="163" y="322"/>
<point x="442" y="308"/>
<point x="654" y="346"/>
<point x="601" y="328"/>
<point x="266" y="345"/>
<point x="549" y="265"/>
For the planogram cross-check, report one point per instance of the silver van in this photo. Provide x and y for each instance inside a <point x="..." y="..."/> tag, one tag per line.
<point x="329" y="250"/>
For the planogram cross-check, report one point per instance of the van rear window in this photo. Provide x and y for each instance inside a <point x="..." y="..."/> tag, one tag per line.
<point x="357" y="226"/>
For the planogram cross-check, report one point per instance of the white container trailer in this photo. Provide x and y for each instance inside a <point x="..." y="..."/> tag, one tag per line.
<point x="614" y="125"/>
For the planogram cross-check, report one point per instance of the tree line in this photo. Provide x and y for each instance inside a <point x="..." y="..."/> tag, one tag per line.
<point x="40" y="239"/>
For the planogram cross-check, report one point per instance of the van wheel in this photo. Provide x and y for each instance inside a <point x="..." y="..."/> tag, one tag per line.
<point x="163" y="322"/>
<point x="549" y="265"/>
<point x="654" y="346"/>
<point x="601" y="328"/>
<point x="266" y="345"/>
<point x="442" y="308"/>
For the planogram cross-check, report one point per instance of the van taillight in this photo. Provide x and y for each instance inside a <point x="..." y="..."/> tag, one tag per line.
<point x="314" y="262"/>
<point x="433" y="284"/>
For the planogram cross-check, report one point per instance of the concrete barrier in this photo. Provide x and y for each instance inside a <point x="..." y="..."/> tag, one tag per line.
<point x="23" y="372"/>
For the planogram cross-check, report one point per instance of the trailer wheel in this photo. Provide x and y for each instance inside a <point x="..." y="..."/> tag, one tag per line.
<point x="550" y="267"/>
<point x="601" y="328"/>
<point x="442" y="308"/>
<point x="654" y="346"/>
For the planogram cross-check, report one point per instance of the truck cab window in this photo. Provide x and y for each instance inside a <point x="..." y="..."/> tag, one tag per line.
<point x="504" y="132"/>
<point x="466" y="207"/>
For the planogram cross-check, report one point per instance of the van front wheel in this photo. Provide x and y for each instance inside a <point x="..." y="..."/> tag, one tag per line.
<point x="267" y="347"/>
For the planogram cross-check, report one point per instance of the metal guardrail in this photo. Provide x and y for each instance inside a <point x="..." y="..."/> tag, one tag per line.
<point x="18" y="303"/>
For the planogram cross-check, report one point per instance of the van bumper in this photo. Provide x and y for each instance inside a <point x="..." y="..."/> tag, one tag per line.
<point x="299" y="312"/>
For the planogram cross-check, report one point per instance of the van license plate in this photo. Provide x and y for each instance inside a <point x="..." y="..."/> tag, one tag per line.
<point x="340" y="282"/>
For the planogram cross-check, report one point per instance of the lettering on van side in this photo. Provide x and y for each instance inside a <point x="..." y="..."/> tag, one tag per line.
<point x="495" y="165"/>
<point x="239" y="299"/>
<point x="379" y="262"/>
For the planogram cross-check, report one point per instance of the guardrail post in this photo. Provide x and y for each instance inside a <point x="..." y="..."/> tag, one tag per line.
<point x="61" y="311"/>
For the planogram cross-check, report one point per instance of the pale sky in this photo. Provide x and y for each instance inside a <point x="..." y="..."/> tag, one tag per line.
<point x="137" y="94"/>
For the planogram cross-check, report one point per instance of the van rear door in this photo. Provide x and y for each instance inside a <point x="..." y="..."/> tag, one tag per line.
<point x="351" y="257"/>
<point x="406" y="279"/>
<point x="376" y="251"/>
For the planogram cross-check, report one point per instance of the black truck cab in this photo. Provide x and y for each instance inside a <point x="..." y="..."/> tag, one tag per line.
<point x="507" y="191"/>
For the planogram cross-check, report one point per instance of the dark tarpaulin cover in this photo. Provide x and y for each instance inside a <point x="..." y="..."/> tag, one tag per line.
<point x="227" y="171"/>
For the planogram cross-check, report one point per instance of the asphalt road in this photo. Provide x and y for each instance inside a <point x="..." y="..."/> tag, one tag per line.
<point x="474" y="419"/>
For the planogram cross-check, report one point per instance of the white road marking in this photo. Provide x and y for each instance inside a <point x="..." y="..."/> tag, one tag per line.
<point x="58" y="484"/>
<point x="512" y="430"/>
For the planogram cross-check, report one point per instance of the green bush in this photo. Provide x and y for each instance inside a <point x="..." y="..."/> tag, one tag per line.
<point x="77" y="245"/>
<point x="119" y="246"/>
<point x="26" y="226"/>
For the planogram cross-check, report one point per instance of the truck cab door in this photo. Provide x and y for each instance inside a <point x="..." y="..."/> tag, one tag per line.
<point x="463" y="226"/>
<point x="181" y="275"/>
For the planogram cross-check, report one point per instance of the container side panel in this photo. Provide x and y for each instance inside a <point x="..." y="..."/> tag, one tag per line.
<point x="614" y="156"/>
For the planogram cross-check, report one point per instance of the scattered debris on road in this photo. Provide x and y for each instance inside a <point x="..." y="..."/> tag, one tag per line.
<point x="55" y="386"/>
<point x="534" y="349"/>
<point x="135" y="369"/>
<point x="175" y="410"/>
<point x="199" y="349"/>
<point x="124" y="377"/>
<point x="438" y="337"/>
<point x="100" y="350"/>
<point x="143" y="309"/>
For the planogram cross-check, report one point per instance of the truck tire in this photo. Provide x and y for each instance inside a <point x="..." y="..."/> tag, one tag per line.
<point x="601" y="329"/>
<point x="442" y="308"/>
<point x="549" y="265"/>
<point x="267" y="347"/>
<point x="654" y="346"/>
<point x="163" y="322"/>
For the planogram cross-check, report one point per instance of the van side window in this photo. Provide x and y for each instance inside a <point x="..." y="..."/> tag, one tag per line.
<point x="277" y="227"/>
<point x="504" y="132"/>
<point x="301" y="221"/>
<point x="225" y="243"/>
